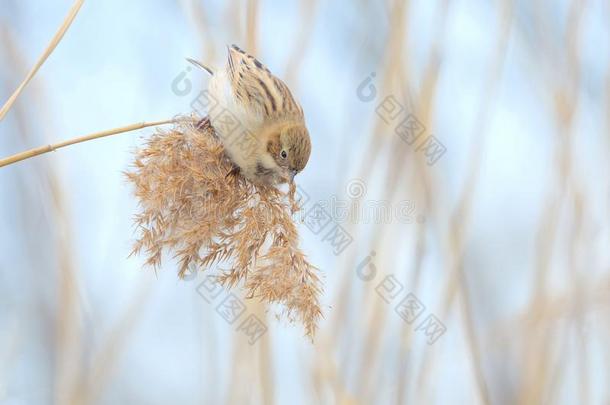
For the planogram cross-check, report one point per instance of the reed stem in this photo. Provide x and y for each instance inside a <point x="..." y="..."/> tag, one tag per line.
<point x="53" y="147"/>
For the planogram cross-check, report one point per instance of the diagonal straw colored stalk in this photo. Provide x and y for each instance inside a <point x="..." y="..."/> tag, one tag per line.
<point x="50" y="148"/>
<point x="54" y="42"/>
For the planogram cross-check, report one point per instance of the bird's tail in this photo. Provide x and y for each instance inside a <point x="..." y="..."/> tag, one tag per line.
<point x="200" y="65"/>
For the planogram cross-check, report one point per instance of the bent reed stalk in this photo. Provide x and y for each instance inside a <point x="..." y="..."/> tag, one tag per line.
<point x="41" y="60"/>
<point x="53" y="147"/>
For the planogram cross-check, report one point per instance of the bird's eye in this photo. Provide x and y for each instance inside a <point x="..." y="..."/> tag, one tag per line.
<point x="284" y="155"/>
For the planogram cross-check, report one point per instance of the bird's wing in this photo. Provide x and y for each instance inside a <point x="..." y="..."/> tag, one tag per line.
<point x="258" y="89"/>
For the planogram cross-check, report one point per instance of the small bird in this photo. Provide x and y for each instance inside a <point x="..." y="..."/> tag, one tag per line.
<point x="271" y="144"/>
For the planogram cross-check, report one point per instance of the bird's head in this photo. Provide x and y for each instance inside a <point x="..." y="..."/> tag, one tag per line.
<point x="290" y="148"/>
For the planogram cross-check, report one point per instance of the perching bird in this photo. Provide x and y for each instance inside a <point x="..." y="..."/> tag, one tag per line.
<point x="271" y="143"/>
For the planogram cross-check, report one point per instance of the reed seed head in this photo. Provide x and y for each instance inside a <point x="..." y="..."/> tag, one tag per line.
<point x="192" y="208"/>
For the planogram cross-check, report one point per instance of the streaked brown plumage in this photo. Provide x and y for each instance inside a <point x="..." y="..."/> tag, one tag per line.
<point x="279" y="143"/>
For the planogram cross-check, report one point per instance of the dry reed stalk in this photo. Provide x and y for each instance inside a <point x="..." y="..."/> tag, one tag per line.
<point x="53" y="147"/>
<point x="69" y="385"/>
<point x="242" y="369"/>
<point x="50" y="48"/>
<point x="252" y="10"/>
<point x="191" y="207"/>
<point x="103" y="361"/>
<point x="373" y="332"/>
<point x="198" y="17"/>
<point x="301" y="44"/>
<point x="67" y="332"/>
<point x="374" y="143"/>
<point x="537" y="381"/>
<point x="265" y="361"/>
<point x="460" y="217"/>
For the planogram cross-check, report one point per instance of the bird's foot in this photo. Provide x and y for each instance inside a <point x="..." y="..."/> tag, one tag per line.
<point x="234" y="173"/>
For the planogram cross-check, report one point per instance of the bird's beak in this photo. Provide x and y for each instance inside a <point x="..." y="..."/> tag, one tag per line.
<point x="289" y="175"/>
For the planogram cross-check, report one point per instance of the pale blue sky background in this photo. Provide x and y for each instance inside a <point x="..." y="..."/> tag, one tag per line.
<point x="116" y="65"/>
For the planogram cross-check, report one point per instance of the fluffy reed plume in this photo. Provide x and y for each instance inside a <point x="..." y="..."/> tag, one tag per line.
<point x="192" y="208"/>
